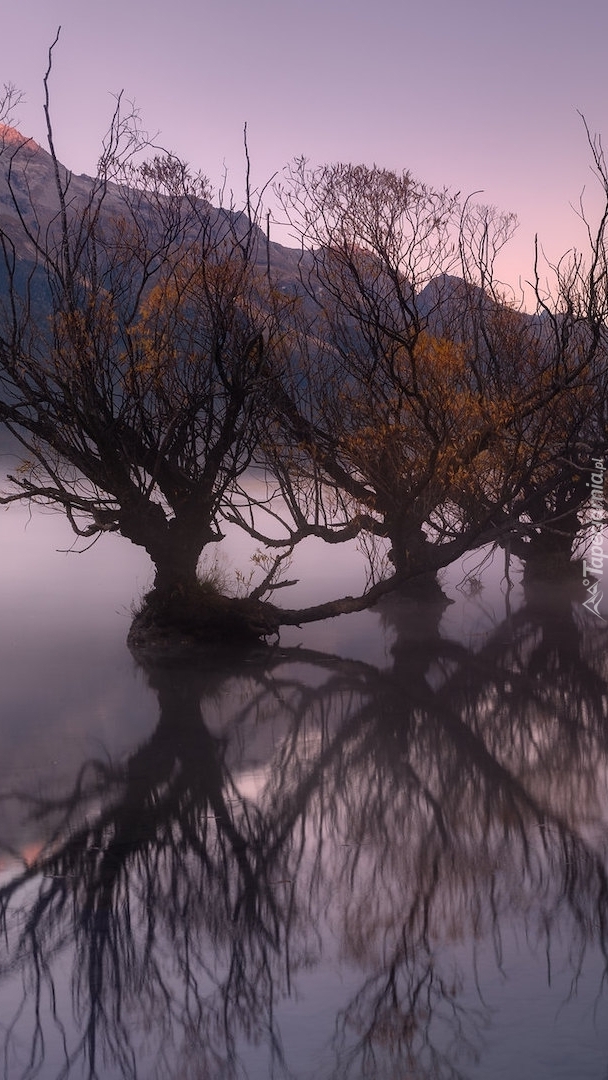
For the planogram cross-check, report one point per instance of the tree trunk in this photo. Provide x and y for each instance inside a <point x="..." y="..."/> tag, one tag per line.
<point x="174" y="545"/>
<point x="181" y="610"/>
<point x="548" y="556"/>
<point x="176" y="571"/>
<point x="412" y="556"/>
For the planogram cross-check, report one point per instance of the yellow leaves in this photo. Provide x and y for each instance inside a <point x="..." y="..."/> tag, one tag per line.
<point x="439" y="357"/>
<point x="82" y="337"/>
<point x="25" y="467"/>
<point x="421" y="419"/>
<point x="161" y="299"/>
<point x="159" y="339"/>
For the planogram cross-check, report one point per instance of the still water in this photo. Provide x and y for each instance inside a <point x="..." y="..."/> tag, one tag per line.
<point x="377" y="850"/>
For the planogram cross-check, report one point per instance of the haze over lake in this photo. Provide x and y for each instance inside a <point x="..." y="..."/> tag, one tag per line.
<point x="382" y="850"/>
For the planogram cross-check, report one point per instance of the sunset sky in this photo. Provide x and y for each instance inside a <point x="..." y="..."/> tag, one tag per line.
<point x="465" y="94"/>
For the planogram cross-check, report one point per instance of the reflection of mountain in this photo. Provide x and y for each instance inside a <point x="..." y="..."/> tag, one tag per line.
<point x="401" y="821"/>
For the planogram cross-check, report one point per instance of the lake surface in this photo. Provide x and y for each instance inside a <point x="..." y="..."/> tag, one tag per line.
<point x="377" y="850"/>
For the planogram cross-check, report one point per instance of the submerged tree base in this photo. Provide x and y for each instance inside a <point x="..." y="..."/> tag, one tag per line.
<point x="184" y="622"/>
<point x="170" y="625"/>
<point x="424" y="588"/>
<point x="553" y="567"/>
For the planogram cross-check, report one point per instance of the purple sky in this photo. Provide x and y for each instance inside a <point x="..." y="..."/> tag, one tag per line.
<point x="465" y="94"/>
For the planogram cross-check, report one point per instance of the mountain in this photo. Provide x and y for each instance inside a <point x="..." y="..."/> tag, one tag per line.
<point x="29" y="203"/>
<point x="28" y="189"/>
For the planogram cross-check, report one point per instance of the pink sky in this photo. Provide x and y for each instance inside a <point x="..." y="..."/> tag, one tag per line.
<point x="469" y="95"/>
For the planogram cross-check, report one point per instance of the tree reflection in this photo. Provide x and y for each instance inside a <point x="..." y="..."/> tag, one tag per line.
<point x="157" y="874"/>
<point x="490" y="783"/>
<point x="394" y="819"/>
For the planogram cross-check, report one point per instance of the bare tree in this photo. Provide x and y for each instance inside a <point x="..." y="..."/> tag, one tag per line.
<point x="454" y="415"/>
<point x="144" y="360"/>
<point x="137" y="356"/>
<point x="148" y="361"/>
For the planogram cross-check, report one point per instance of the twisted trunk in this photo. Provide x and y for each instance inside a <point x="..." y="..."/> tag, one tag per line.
<point x="174" y="544"/>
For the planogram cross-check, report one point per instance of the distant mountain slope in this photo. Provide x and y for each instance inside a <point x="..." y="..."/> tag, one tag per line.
<point x="29" y="201"/>
<point x="28" y="188"/>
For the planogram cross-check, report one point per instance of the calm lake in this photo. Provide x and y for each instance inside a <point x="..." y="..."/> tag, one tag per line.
<point x="377" y="850"/>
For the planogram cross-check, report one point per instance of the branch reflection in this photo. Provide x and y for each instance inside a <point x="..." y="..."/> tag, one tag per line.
<point x="293" y="814"/>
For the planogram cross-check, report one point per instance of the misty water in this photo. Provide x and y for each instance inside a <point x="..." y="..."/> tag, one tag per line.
<point x="378" y="849"/>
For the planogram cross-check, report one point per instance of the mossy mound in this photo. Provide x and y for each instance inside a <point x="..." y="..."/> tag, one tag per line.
<point x="183" y="623"/>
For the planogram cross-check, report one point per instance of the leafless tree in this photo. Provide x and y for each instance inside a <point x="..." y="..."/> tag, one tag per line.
<point x="149" y="361"/>
<point x="455" y="416"/>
